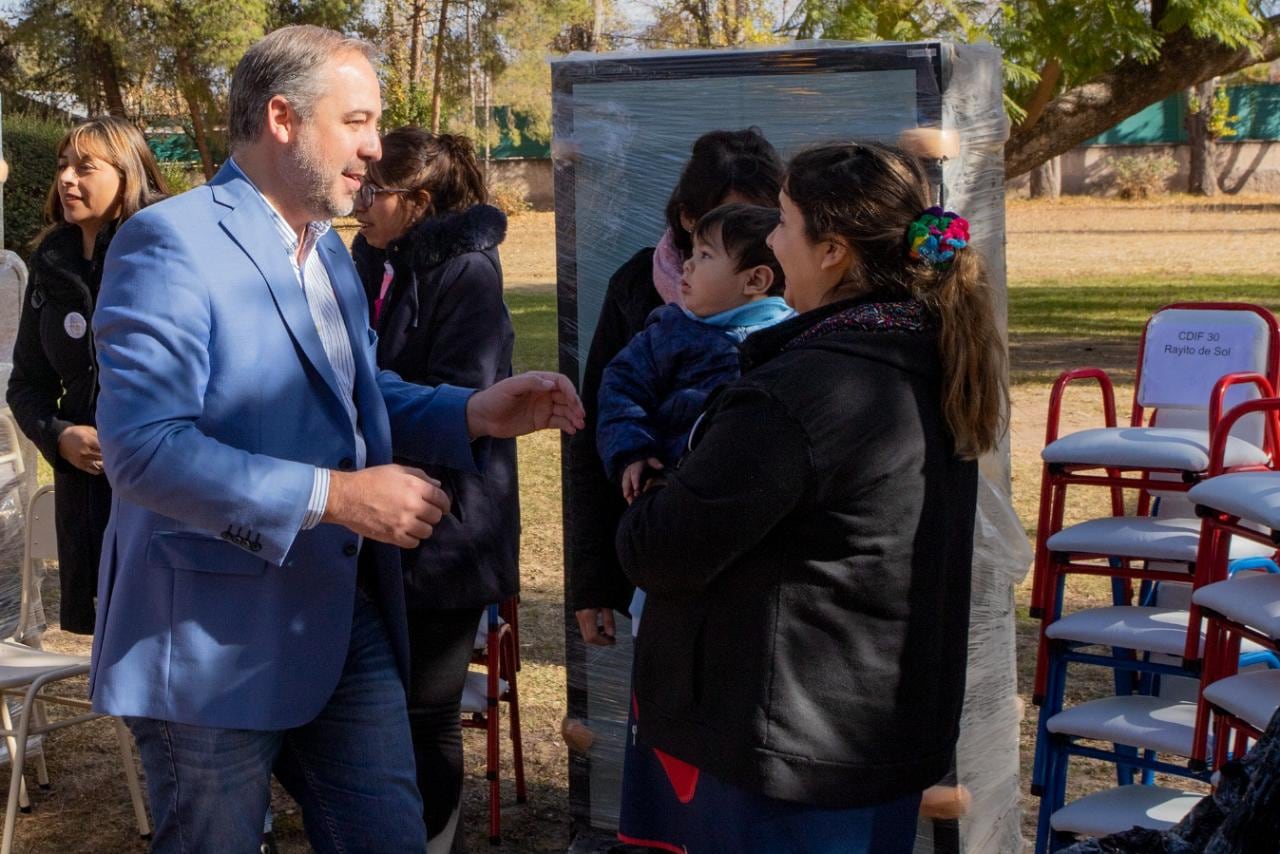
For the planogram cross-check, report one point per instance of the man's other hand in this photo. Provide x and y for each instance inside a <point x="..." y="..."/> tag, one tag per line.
<point x="390" y="504"/>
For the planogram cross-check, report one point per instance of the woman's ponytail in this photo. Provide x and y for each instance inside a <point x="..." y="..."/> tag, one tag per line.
<point x="443" y="165"/>
<point x="975" y="394"/>
<point x="467" y="175"/>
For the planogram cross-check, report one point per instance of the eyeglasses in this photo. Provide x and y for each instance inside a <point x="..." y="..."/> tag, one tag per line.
<point x="365" y="195"/>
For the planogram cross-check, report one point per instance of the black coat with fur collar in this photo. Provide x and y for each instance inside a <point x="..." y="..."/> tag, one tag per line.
<point x="444" y="321"/>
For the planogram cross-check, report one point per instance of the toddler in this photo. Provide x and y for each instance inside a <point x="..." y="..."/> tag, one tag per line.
<point x="654" y="389"/>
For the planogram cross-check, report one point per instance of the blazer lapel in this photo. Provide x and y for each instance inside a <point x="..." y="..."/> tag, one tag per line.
<point x="250" y="227"/>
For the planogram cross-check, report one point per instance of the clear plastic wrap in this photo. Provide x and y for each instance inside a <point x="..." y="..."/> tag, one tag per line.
<point x="623" y="127"/>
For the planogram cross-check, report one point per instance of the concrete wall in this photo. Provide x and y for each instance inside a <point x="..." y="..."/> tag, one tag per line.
<point x="1243" y="167"/>
<point x="531" y="176"/>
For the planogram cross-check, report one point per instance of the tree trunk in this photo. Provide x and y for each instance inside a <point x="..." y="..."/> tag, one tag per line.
<point x="189" y="87"/>
<point x="487" y="111"/>
<point x="109" y="74"/>
<point x="415" y="44"/>
<point x="199" y="132"/>
<point x="441" y="31"/>
<point x="392" y="35"/>
<point x="1202" y="179"/>
<point x="471" y="72"/>
<point x="1046" y="180"/>
<point x="597" y="24"/>
<point x="1095" y="105"/>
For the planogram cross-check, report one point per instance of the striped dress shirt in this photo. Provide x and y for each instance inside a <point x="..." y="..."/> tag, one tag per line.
<point x="313" y="278"/>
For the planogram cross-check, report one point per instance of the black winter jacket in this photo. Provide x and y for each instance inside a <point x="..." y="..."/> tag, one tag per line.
<point x="444" y="321"/>
<point x="807" y="570"/>
<point x="54" y="383"/>
<point x="593" y="503"/>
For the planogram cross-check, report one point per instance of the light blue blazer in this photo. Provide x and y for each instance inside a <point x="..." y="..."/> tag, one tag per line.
<point x="217" y="401"/>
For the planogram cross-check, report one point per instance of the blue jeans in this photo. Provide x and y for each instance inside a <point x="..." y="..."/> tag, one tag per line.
<point x="350" y="769"/>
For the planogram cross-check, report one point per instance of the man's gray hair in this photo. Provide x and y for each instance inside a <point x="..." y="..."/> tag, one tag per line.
<point x="286" y="62"/>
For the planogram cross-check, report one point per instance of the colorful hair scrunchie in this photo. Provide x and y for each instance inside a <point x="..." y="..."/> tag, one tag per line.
<point x="936" y="236"/>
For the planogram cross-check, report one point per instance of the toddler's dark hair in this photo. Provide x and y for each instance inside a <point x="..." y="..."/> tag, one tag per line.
<point x="742" y="231"/>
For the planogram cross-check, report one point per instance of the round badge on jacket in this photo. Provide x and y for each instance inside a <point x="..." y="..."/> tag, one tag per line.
<point x="75" y="324"/>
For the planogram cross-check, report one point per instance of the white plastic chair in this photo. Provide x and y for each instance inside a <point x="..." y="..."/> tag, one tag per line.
<point x="25" y="671"/>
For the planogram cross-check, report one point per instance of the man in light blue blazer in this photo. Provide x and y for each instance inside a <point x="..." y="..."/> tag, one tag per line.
<point x="251" y="613"/>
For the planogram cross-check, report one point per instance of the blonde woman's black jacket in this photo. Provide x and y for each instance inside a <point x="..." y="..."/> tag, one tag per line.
<point x="444" y="321"/>
<point x="54" y="383"/>
<point x="807" y="569"/>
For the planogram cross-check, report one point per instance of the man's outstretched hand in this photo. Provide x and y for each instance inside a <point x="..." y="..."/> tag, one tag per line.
<point x="536" y="400"/>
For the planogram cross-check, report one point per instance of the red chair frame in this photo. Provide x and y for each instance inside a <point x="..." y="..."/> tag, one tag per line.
<point x="502" y="661"/>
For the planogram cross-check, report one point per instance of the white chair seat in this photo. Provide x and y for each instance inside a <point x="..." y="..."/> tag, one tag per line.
<point x="473" y="693"/>
<point x="1147" y="723"/>
<point x="1146" y="537"/>
<point x="20" y="664"/>
<point x="1124" y="807"/>
<point x="1251" y="495"/>
<point x="1177" y="448"/>
<point x="1251" y="600"/>
<point x="1156" y="630"/>
<point x="1252" y="697"/>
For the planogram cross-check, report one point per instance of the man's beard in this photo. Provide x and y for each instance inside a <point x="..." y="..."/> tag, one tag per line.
<point x="318" y="183"/>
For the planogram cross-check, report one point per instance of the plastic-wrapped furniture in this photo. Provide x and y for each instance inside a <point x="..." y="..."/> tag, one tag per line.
<point x="26" y="671"/>
<point x="623" y="125"/>
<point x="497" y="651"/>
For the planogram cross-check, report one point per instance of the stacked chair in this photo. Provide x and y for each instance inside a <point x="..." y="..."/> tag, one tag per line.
<point x="27" y="670"/>
<point x="1151" y="639"/>
<point x="1242" y="604"/>
<point x="497" y="651"/>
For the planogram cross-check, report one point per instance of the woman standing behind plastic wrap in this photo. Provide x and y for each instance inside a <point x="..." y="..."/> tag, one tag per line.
<point x="105" y="174"/>
<point x="724" y="167"/>
<point x="428" y="255"/>
<point x="802" y="664"/>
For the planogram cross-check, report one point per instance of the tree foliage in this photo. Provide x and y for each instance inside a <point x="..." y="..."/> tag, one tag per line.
<point x="1072" y="69"/>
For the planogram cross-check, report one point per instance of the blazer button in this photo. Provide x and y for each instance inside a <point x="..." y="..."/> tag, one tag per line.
<point x="350" y="550"/>
<point x="255" y="546"/>
<point x="346" y="464"/>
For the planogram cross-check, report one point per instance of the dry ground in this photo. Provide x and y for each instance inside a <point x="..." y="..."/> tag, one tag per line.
<point x="1108" y="249"/>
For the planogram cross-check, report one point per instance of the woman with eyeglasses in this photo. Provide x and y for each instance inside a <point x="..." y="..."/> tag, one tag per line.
<point x="428" y="255"/>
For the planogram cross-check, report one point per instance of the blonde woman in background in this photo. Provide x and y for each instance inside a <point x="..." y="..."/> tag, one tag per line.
<point x="105" y="173"/>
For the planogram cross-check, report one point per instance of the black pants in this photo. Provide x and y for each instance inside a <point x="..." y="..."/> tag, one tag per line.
<point x="440" y="645"/>
<point x="82" y="503"/>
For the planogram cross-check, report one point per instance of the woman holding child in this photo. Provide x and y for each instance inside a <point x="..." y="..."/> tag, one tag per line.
<point x="801" y="667"/>
<point x="724" y="167"/>
<point x="428" y="255"/>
